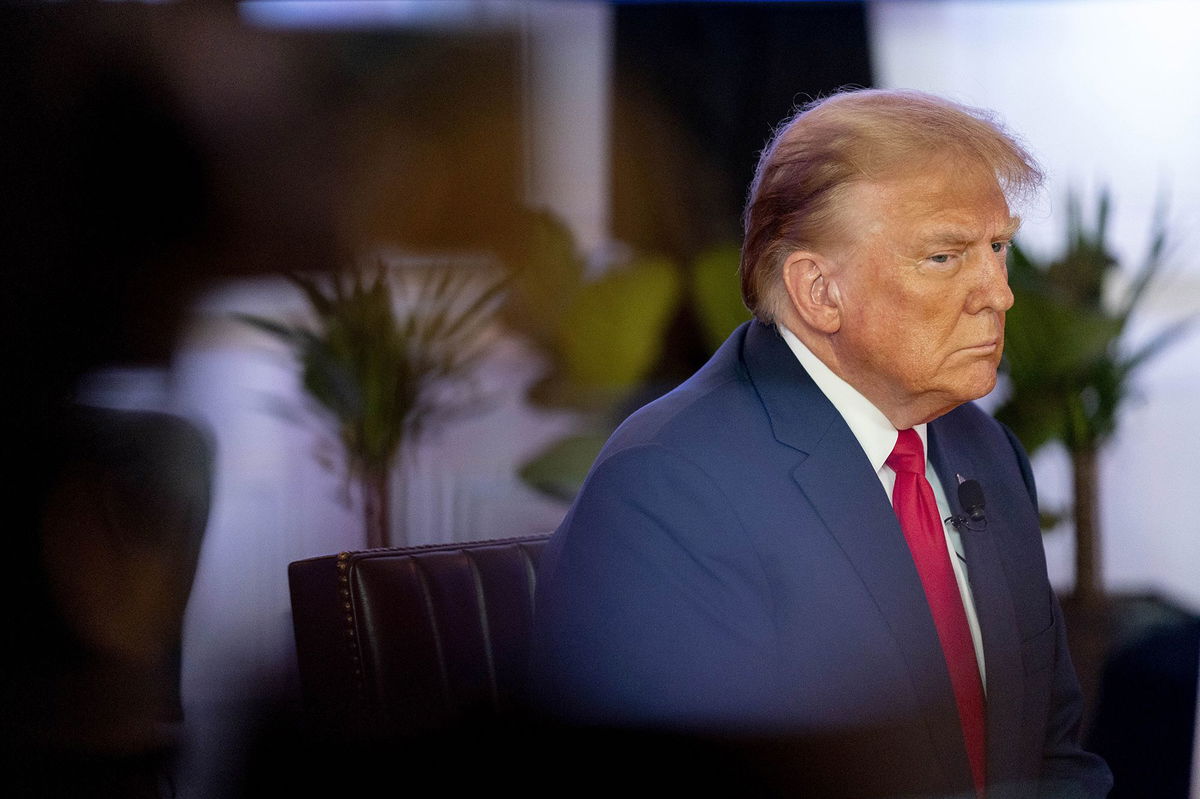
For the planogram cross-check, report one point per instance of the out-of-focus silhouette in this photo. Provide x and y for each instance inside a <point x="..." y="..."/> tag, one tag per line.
<point x="1144" y="724"/>
<point x="146" y="151"/>
<point x="120" y="538"/>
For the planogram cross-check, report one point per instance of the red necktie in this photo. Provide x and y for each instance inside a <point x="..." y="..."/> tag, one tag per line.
<point x="916" y="508"/>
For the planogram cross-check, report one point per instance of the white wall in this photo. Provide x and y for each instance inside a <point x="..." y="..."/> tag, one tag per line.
<point x="568" y="62"/>
<point x="1103" y="93"/>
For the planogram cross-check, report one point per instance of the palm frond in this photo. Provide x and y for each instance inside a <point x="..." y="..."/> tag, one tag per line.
<point x="1068" y="376"/>
<point x="1159" y="342"/>
<point x="275" y="328"/>
<point x="316" y="297"/>
<point x="380" y="345"/>
<point x="1151" y="265"/>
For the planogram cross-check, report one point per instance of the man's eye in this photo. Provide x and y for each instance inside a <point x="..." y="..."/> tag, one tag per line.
<point x="941" y="258"/>
<point x="1000" y="246"/>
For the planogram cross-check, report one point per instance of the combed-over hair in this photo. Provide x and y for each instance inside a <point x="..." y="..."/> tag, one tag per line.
<point x="868" y="134"/>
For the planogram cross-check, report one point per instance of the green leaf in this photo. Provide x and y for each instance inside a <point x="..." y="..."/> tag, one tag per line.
<point x="559" y="470"/>
<point x="614" y="329"/>
<point x="1063" y="357"/>
<point x="716" y="291"/>
<point x="316" y="297"/>
<point x="1160" y="341"/>
<point x="277" y="329"/>
<point x="545" y="283"/>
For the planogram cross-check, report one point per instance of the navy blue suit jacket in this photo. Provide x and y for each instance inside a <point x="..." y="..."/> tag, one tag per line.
<point x="733" y="565"/>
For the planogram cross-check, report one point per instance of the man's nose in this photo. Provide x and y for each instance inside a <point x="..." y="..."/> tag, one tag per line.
<point x="992" y="290"/>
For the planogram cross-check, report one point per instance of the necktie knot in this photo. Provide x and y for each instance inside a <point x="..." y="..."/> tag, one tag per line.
<point x="908" y="455"/>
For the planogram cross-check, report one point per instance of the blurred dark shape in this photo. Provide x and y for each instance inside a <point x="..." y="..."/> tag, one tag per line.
<point x="144" y="152"/>
<point x="120" y="539"/>
<point x="1145" y="718"/>
<point x="508" y="754"/>
<point x="431" y="124"/>
<point x="147" y="151"/>
<point x="535" y="758"/>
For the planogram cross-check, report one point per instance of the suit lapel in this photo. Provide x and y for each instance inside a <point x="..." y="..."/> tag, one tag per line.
<point x="993" y="603"/>
<point x="837" y="479"/>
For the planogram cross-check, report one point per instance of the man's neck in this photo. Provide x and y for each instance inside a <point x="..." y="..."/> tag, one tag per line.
<point x="902" y="414"/>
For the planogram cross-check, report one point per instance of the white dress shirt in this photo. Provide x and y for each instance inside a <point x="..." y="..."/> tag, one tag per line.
<point x="877" y="436"/>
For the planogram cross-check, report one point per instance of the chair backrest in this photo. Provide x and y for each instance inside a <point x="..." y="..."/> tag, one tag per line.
<point x="406" y="640"/>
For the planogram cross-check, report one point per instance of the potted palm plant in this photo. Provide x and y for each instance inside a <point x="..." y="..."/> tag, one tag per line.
<point x="388" y="348"/>
<point x="1069" y="368"/>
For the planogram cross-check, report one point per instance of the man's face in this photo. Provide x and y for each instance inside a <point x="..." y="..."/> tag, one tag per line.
<point x="923" y="286"/>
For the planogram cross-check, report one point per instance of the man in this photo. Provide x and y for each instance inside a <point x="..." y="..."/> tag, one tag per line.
<point x="760" y="554"/>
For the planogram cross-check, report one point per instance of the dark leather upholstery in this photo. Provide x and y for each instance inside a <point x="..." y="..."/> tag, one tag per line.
<point x="411" y="661"/>
<point x="407" y="640"/>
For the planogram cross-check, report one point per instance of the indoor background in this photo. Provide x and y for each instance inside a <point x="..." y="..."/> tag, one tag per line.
<point x="422" y="133"/>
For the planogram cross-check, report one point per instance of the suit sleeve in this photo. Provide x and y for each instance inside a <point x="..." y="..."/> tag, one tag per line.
<point x="650" y="607"/>
<point x="1067" y="771"/>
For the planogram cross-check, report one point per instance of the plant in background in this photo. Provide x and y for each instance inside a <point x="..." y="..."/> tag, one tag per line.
<point x="601" y="337"/>
<point x="716" y="292"/>
<point x="1069" y="372"/>
<point x="385" y="353"/>
<point x="604" y="337"/>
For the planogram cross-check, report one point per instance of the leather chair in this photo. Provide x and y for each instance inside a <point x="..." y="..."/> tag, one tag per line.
<point x="404" y="641"/>
<point x="411" y="662"/>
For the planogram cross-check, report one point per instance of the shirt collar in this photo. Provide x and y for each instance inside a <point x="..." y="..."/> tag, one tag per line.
<point x="876" y="435"/>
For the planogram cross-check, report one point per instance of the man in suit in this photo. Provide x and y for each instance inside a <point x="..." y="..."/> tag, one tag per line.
<point x="757" y="555"/>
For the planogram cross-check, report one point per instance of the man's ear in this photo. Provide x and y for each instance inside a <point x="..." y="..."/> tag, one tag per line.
<point x="814" y="296"/>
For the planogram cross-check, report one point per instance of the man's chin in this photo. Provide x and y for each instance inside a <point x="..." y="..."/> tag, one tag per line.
<point x="981" y="386"/>
<point x="975" y="384"/>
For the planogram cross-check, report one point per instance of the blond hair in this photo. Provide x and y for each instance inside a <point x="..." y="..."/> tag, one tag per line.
<point x="853" y="136"/>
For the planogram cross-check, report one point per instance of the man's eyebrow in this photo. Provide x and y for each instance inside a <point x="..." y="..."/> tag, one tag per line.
<point x="954" y="235"/>
<point x="948" y="236"/>
<point x="1010" y="230"/>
